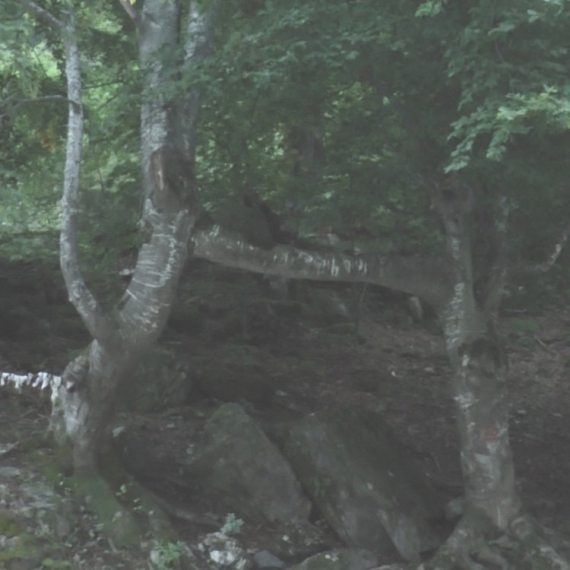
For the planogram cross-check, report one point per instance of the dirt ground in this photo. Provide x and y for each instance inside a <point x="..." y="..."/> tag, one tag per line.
<point x="393" y="366"/>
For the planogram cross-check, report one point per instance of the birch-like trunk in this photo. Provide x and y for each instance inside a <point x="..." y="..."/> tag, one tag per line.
<point x="82" y="417"/>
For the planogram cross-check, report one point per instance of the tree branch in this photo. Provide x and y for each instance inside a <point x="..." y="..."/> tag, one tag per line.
<point x="197" y="48"/>
<point x="46" y="98"/>
<point x="558" y="247"/>
<point x="132" y="12"/>
<point x="92" y="314"/>
<point x="428" y="278"/>
<point x="43" y="15"/>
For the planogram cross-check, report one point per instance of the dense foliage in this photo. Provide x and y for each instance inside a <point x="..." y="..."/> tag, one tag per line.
<point x="339" y="113"/>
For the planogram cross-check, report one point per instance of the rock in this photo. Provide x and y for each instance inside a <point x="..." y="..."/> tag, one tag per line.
<point x="363" y="482"/>
<point x="296" y="541"/>
<point x="343" y="559"/>
<point x="225" y="552"/>
<point x="455" y="508"/>
<point x="265" y="560"/>
<point x="239" y="460"/>
<point x="32" y="517"/>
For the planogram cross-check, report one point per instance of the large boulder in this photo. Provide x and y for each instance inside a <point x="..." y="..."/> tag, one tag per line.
<point x="364" y="482"/>
<point x="240" y="461"/>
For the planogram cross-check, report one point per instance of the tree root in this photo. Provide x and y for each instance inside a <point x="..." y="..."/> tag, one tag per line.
<point x="524" y="546"/>
<point x="119" y="525"/>
<point x="467" y="549"/>
<point x="127" y="511"/>
<point x="535" y="546"/>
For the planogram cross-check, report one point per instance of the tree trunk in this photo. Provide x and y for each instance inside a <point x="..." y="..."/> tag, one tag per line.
<point x="84" y="409"/>
<point x="82" y="419"/>
<point x="83" y="415"/>
<point x="479" y="367"/>
<point x="478" y="364"/>
<point x="478" y="361"/>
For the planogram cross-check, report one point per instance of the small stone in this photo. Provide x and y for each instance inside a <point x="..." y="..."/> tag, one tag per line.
<point x="264" y="559"/>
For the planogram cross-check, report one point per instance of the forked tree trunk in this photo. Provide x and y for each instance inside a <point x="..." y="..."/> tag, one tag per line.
<point x="83" y="413"/>
<point x="82" y="418"/>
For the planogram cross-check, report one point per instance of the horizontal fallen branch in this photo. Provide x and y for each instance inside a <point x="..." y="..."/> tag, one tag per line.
<point x="41" y="380"/>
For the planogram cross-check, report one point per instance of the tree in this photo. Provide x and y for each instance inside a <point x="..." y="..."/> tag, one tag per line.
<point x="85" y="404"/>
<point x="385" y="82"/>
<point x="465" y="284"/>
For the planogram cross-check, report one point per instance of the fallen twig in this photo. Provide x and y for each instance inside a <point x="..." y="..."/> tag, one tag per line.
<point x="547" y="348"/>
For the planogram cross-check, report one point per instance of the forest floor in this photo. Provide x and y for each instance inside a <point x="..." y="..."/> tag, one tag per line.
<point x="392" y="366"/>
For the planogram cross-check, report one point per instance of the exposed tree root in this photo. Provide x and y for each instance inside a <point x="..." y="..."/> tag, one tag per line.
<point x="127" y="514"/>
<point x="186" y="515"/>
<point x="534" y="544"/>
<point x="118" y="524"/>
<point x="126" y="511"/>
<point x="524" y="546"/>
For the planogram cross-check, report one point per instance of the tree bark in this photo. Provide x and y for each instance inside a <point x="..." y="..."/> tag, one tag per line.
<point x="84" y="409"/>
<point x="428" y="278"/>
<point x="84" y="406"/>
<point x="479" y="365"/>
